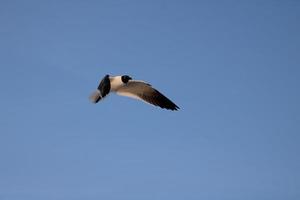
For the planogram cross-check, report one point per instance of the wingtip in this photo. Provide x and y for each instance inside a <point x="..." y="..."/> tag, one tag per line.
<point x="176" y="108"/>
<point x="95" y="97"/>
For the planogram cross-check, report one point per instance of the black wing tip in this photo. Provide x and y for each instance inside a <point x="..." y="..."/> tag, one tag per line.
<point x="176" y="108"/>
<point x="164" y="102"/>
<point x="170" y="106"/>
<point x="104" y="86"/>
<point x="173" y="108"/>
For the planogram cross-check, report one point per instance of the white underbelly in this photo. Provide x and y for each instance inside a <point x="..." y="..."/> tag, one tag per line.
<point x="115" y="83"/>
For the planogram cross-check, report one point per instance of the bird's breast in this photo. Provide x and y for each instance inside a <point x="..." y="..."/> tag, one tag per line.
<point x="115" y="83"/>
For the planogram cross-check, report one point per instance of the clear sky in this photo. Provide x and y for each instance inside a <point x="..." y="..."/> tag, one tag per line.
<point x="233" y="67"/>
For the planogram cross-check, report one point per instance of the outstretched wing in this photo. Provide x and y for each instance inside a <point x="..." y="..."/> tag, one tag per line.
<point x="145" y="92"/>
<point x="102" y="90"/>
<point x="104" y="86"/>
<point x="95" y="97"/>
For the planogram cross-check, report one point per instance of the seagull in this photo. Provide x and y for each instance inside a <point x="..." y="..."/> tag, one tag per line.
<point x="126" y="86"/>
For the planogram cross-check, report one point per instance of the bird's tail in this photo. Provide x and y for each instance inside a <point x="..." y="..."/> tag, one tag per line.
<point x="95" y="97"/>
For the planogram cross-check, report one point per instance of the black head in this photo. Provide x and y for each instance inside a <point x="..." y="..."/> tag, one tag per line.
<point x="126" y="78"/>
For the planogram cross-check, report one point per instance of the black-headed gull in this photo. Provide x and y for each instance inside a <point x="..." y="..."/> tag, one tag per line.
<point x="125" y="86"/>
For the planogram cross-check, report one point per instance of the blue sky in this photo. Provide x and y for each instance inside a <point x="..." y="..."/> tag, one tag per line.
<point x="232" y="67"/>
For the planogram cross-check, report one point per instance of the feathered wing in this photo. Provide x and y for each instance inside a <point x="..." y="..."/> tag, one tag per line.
<point x="102" y="90"/>
<point x="95" y="97"/>
<point x="143" y="91"/>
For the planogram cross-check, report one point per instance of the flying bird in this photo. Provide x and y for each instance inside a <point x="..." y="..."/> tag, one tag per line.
<point x="126" y="86"/>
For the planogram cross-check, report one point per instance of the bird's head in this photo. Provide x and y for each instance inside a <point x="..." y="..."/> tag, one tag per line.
<point x="126" y="78"/>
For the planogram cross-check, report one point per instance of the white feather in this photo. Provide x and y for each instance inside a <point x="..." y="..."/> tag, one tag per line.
<point x="130" y="95"/>
<point x="115" y="83"/>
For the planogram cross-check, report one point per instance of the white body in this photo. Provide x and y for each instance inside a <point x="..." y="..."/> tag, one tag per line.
<point x="115" y="83"/>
